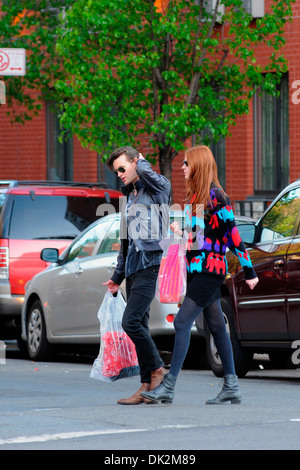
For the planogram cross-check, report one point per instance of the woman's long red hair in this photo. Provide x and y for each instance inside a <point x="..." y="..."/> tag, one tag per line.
<point x="203" y="171"/>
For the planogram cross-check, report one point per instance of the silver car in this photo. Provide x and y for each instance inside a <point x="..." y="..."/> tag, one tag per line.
<point x="61" y="303"/>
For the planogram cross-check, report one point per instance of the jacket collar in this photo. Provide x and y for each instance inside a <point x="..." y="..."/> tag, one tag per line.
<point x="126" y="190"/>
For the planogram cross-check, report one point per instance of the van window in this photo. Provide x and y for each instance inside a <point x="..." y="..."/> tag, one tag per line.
<point x="44" y="217"/>
<point x="2" y="200"/>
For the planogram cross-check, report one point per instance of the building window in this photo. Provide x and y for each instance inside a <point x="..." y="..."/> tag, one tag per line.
<point x="271" y="140"/>
<point x="112" y="180"/>
<point x="107" y="176"/>
<point x="218" y="151"/>
<point x="59" y="152"/>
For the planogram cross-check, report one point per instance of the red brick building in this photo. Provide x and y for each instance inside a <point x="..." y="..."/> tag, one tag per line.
<point x="256" y="162"/>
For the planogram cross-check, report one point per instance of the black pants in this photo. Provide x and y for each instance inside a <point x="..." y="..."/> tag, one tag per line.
<point x="140" y="291"/>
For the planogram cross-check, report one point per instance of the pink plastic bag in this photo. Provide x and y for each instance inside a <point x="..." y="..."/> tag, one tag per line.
<point x="172" y="274"/>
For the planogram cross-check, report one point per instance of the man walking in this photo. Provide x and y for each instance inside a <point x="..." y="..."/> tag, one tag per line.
<point x="144" y="222"/>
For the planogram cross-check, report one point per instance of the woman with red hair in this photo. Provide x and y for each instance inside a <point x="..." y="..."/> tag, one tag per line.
<point x="210" y="224"/>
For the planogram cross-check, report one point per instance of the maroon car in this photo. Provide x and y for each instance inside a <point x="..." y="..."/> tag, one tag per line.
<point x="266" y="319"/>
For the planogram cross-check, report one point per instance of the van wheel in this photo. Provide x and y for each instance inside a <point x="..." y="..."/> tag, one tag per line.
<point x="37" y="344"/>
<point x="242" y="357"/>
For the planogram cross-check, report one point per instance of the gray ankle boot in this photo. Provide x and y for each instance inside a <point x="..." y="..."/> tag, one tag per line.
<point x="230" y="391"/>
<point x="164" y="392"/>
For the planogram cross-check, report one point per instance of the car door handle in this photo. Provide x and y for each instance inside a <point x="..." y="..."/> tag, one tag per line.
<point x="112" y="266"/>
<point x="79" y="271"/>
<point x="279" y="264"/>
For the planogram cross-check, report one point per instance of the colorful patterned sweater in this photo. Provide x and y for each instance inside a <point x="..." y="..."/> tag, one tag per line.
<point x="210" y="236"/>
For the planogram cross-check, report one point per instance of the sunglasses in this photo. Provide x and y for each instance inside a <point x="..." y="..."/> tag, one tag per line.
<point x="121" y="169"/>
<point x="185" y="163"/>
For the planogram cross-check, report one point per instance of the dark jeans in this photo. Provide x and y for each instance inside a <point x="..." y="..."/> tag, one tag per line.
<point x="140" y="291"/>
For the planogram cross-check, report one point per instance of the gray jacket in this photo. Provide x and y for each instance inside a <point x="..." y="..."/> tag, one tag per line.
<point x="147" y="219"/>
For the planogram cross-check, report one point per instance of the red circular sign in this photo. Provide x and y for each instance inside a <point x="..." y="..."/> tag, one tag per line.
<point x="4" y="61"/>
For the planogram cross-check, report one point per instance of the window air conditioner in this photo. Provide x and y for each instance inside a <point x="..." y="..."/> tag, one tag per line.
<point x="256" y="8"/>
<point x="210" y="6"/>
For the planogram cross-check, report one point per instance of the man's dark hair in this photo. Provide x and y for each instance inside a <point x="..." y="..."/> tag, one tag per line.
<point x="130" y="153"/>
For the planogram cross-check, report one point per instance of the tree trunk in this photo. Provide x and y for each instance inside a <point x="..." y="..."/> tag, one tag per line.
<point x="165" y="166"/>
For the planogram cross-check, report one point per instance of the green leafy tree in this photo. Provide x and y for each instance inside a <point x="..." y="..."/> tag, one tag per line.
<point x="134" y="71"/>
<point x="32" y="25"/>
<point x="121" y="69"/>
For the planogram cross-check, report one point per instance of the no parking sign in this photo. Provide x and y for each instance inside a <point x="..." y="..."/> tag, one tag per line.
<point x="12" y="61"/>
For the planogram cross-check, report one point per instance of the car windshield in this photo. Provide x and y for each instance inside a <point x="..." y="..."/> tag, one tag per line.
<point x="52" y="217"/>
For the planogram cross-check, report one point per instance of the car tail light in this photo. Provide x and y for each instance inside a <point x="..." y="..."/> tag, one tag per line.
<point x="170" y="318"/>
<point x="4" y="262"/>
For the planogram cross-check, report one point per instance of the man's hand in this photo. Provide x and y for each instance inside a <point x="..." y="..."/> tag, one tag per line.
<point x="111" y="286"/>
<point x="135" y="160"/>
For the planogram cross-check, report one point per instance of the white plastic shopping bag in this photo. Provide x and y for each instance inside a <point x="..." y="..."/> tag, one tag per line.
<point x="117" y="357"/>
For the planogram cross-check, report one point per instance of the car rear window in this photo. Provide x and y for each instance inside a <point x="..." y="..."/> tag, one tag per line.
<point x="45" y="217"/>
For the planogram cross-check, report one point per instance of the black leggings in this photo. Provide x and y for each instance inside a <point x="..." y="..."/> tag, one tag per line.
<point x="183" y="322"/>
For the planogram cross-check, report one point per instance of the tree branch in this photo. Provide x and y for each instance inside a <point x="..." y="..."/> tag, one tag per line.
<point x="197" y="75"/>
<point x="200" y="26"/>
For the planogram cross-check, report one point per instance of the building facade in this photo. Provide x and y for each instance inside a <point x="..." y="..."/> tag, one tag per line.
<point x="258" y="159"/>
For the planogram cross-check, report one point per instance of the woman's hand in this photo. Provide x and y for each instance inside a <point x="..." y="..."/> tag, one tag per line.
<point x="175" y="228"/>
<point x="252" y="282"/>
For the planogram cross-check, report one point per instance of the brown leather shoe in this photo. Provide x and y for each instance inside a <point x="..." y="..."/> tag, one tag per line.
<point x="157" y="377"/>
<point x="136" y="398"/>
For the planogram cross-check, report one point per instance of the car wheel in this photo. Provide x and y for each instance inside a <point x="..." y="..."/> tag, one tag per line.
<point x="242" y="357"/>
<point x="37" y="344"/>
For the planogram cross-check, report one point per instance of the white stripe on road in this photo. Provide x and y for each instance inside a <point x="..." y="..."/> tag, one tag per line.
<point x="100" y="432"/>
<point x="75" y="435"/>
<point x="63" y="435"/>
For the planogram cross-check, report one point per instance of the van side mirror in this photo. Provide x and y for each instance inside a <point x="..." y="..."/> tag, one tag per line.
<point x="50" y="255"/>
